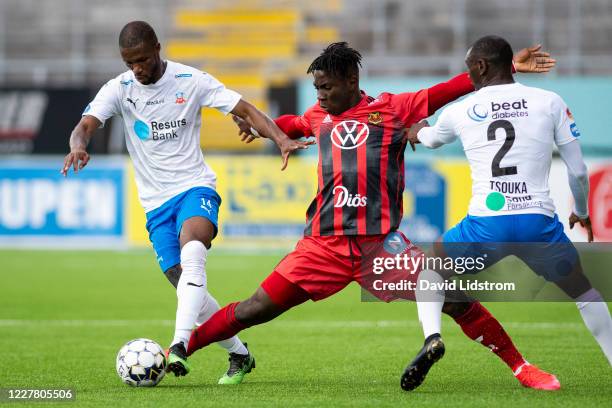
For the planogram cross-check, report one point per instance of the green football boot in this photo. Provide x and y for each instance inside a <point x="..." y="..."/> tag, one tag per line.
<point x="177" y="360"/>
<point x="240" y="365"/>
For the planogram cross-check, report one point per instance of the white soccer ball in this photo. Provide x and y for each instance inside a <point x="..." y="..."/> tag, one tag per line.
<point x="141" y="363"/>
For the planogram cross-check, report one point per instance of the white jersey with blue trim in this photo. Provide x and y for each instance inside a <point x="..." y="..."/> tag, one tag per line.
<point x="508" y="133"/>
<point x="162" y="123"/>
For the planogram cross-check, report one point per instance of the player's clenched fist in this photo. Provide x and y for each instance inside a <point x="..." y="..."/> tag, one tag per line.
<point x="584" y="223"/>
<point x="412" y="134"/>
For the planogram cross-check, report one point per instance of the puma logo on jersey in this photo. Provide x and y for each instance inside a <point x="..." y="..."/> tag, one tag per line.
<point x="132" y="102"/>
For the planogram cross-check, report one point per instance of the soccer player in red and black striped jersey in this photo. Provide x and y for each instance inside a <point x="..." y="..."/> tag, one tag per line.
<point x="358" y="206"/>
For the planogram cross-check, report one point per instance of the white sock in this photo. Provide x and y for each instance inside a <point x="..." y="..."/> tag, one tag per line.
<point x="191" y="290"/>
<point x="429" y="302"/>
<point x="596" y="316"/>
<point x="233" y="344"/>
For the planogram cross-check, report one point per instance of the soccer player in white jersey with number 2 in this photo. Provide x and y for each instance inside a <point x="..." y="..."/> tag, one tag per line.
<point x="160" y="102"/>
<point x="508" y="131"/>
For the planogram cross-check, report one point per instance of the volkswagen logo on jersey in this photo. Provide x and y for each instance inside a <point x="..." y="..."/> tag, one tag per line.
<point x="478" y="113"/>
<point x="349" y="134"/>
<point x="141" y="129"/>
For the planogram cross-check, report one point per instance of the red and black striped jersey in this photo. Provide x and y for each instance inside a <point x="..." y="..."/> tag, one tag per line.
<point x="361" y="159"/>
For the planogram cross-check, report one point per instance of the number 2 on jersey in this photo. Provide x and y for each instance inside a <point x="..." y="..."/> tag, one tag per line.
<point x="496" y="169"/>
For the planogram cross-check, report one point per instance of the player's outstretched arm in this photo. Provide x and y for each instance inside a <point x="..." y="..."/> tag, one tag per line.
<point x="527" y="60"/>
<point x="79" y="139"/>
<point x="267" y="128"/>
<point x="578" y="178"/>
<point x="291" y="125"/>
<point x="434" y="136"/>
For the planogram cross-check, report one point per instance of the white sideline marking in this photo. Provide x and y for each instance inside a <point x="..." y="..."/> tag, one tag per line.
<point x="307" y="324"/>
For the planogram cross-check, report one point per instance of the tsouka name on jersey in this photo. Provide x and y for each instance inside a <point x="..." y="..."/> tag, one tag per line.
<point x="166" y="130"/>
<point x="503" y="110"/>
<point x="516" y="195"/>
<point x="514" y="192"/>
<point x="509" y="187"/>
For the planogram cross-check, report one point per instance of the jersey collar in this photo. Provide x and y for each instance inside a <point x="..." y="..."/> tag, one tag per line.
<point x="160" y="82"/>
<point x="362" y="102"/>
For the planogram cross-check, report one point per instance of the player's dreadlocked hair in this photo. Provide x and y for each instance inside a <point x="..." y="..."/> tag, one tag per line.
<point x="135" y="33"/>
<point x="338" y="60"/>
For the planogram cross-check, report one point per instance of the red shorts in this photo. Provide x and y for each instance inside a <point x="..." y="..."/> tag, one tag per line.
<point x="322" y="266"/>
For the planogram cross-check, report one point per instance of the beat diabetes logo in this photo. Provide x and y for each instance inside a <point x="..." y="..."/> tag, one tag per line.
<point x="478" y="112"/>
<point x="349" y="134"/>
<point x="498" y="110"/>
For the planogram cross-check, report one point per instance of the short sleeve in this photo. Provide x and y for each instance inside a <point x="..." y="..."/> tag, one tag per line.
<point x="106" y="103"/>
<point x="303" y="122"/>
<point x="213" y="94"/>
<point x="411" y="107"/>
<point x="565" y="126"/>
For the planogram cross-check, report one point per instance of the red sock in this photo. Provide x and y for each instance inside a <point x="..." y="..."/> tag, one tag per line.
<point x="479" y="325"/>
<point x="222" y="325"/>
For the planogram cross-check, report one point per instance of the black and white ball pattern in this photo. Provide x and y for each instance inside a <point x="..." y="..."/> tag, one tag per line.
<point x="141" y="363"/>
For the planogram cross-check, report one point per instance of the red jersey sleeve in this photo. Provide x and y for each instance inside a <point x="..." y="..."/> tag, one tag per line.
<point x="294" y="126"/>
<point x="445" y="92"/>
<point x="411" y="106"/>
<point x="415" y="106"/>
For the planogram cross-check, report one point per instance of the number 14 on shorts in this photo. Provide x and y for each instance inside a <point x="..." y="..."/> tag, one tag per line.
<point x="206" y="205"/>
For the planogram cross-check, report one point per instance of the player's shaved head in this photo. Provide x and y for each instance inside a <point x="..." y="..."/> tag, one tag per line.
<point x="136" y="33"/>
<point x="489" y="61"/>
<point x="495" y="50"/>
<point x="139" y="50"/>
<point x="338" y="60"/>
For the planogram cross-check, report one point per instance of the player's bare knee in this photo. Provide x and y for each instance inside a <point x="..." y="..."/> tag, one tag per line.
<point x="255" y="310"/>
<point x="575" y="285"/>
<point x="173" y="274"/>
<point x="455" y="309"/>
<point x="207" y="241"/>
<point x="204" y="238"/>
<point x="197" y="229"/>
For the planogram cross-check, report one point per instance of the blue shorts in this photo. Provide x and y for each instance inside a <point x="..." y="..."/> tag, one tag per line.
<point x="164" y="223"/>
<point x="538" y="240"/>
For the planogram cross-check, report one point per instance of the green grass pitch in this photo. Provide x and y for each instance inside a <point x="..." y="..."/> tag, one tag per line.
<point x="64" y="315"/>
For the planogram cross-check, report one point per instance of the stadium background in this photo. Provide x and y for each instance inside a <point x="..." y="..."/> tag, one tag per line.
<point x="65" y="313"/>
<point x="54" y="55"/>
